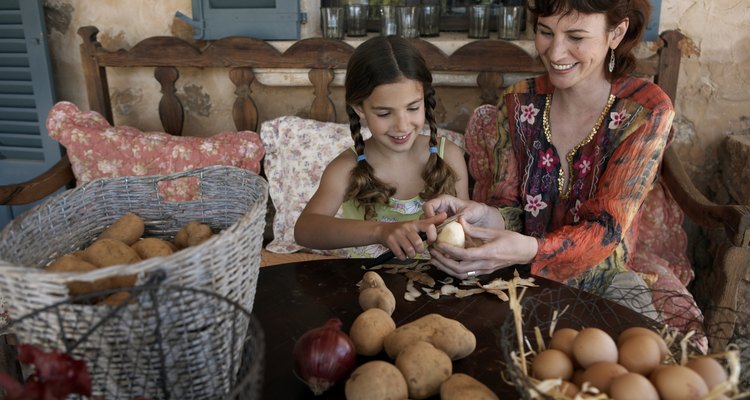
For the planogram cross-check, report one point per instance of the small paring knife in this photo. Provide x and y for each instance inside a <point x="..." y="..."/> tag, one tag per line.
<point x="388" y="255"/>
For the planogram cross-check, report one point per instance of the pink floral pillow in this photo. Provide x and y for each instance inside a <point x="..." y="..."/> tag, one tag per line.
<point x="297" y="152"/>
<point x="98" y="150"/>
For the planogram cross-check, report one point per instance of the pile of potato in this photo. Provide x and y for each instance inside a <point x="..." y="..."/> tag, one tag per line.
<point x="422" y="350"/>
<point x="122" y="243"/>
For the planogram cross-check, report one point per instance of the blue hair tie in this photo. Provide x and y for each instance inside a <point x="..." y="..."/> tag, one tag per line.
<point x="433" y="149"/>
<point x="361" y="157"/>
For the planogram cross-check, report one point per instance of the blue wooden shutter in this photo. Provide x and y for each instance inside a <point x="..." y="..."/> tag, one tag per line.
<point x="26" y="96"/>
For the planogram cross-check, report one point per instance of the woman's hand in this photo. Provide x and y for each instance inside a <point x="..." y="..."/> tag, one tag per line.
<point x="499" y="249"/>
<point x="478" y="214"/>
<point x="403" y="239"/>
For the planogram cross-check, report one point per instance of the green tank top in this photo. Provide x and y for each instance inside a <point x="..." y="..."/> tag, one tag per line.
<point x="396" y="210"/>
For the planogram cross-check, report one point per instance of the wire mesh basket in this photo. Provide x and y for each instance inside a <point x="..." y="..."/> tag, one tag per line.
<point x="162" y="342"/>
<point x="232" y="201"/>
<point x="569" y="308"/>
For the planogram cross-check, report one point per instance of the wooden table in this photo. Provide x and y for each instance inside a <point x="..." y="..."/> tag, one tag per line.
<point x="293" y="298"/>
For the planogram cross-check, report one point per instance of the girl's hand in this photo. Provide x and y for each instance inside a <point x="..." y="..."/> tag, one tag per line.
<point x="500" y="249"/>
<point x="403" y="239"/>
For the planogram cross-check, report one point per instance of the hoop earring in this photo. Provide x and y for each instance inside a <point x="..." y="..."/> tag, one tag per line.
<point x="612" y="61"/>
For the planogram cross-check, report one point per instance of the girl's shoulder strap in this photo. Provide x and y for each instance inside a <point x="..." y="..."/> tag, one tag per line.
<point x="441" y="150"/>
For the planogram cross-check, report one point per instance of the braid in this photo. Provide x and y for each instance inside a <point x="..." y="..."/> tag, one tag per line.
<point x="438" y="176"/>
<point x="364" y="187"/>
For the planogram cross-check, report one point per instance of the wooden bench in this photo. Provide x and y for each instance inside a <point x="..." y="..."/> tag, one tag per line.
<point x="491" y="60"/>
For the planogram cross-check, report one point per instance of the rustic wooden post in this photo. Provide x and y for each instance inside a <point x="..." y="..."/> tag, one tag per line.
<point x="322" y="108"/>
<point x="668" y="69"/>
<point x="171" y="111"/>
<point x="244" y="111"/>
<point x="95" y="76"/>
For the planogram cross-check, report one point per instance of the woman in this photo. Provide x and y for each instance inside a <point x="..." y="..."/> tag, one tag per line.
<point x="573" y="156"/>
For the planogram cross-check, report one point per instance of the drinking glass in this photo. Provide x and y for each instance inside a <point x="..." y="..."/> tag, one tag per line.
<point x="509" y="22"/>
<point x="479" y="21"/>
<point x="429" y="20"/>
<point x="407" y="21"/>
<point x="356" y="19"/>
<point x="332" y="22"/>
<point x="387" y="20"/>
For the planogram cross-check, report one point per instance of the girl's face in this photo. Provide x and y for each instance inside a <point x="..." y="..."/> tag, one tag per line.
<point x="394" y="113"/>
<point x="574" y="48"/>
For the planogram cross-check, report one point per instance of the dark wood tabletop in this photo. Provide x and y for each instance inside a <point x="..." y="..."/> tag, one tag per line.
<point x="294" y="298"/>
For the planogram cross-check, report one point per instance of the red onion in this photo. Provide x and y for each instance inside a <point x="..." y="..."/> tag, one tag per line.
<point x="323" y="356"/>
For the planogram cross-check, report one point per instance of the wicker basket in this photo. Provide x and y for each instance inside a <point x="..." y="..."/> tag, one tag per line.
<point x="579" y="310"/>
<point x="231" y="200"/>
<point x="142" y="350"/>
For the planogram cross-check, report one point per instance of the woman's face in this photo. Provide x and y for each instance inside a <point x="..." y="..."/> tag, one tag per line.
<point x="395" y="113"/>
<point x="574" y="48"/>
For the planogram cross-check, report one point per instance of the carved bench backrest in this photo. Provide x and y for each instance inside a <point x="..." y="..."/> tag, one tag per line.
<point x="488" y="59"/>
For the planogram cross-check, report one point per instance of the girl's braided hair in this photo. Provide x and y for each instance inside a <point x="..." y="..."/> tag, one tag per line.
<point x="383" y="60"/>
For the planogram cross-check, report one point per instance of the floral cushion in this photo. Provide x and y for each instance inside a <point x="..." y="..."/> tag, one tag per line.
<point x="98" y="150"/>
<point x="297" y="152"/>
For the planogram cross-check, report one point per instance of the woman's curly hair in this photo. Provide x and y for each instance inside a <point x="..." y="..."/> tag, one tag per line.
<point x="383" y="60"/>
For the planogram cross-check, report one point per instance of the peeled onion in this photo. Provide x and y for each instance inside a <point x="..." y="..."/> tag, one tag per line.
<point x="323" y="356"/>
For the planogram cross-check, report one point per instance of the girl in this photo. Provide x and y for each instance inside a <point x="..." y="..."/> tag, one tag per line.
<point x="381" y="182"/>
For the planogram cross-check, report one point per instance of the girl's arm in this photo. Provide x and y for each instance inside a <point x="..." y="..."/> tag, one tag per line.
<point x="317" y="226"/>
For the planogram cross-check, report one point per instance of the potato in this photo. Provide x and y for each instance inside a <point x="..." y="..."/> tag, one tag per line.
<point x="192" y="234"/>
<point x="453" y="234"/>
<point x="424" y="367"/>
<point x="127" y="229"/>
<point x="115" y="299"/>
<point x="381" y="298"/>
<point x="461" y="386"/>
<point x="375" y="294"/>
<point x="376" y="380"/>
<point x="152" y="247"/>
<point x="370" y="279"/>
<point x="108" y="252"/>
<point x="369" y="329"/>
<point x="71" y="263"/>
<point x="445" y="334"/>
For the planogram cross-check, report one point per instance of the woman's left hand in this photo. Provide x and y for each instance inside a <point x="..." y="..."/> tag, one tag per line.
<point x="499" y="249"/>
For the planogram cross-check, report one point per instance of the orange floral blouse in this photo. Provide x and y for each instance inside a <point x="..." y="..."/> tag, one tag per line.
<point x="584" y="232"/>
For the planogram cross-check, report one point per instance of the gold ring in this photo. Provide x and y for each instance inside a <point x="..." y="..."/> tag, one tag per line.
<point x="471" y="273"/>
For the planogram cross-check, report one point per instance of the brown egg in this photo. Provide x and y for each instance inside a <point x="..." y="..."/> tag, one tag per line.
<point x="639" y="330"/>
<point x="632" y="386"/>
<point x="639" y="354"/>
<point x="709" y="369"/>
<point x="552" y="364"/>
<point x="602" y="374"/>
<point x="677" y="382"/>
<point x="562" y="340"/>
<point x="593" y="345"/>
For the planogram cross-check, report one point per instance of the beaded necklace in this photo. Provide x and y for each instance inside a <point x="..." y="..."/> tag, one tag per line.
<point x="572" y="152"/>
